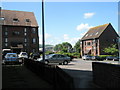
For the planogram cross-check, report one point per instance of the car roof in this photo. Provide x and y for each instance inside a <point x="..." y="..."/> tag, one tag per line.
<point x="11" y="53"/>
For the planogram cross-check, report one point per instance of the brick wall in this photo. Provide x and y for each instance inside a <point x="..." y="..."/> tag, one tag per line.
<point x="106" y="75"/>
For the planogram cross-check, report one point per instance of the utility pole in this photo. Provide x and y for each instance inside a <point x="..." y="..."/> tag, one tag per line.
<point x="43" y="31"/>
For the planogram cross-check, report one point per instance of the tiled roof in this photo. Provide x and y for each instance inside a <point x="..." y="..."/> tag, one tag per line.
<point x="95" y="32"/>
<point x="18" y="18"/>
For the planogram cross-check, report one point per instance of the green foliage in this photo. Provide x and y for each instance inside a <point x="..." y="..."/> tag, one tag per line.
<point x="70" y="54"/>
<point x="65" y="47"/>
<point x="104" y="56"/>
<point x="112" y="50"/>
<point x="48" y="52"/>
<point x="77" y="46"/>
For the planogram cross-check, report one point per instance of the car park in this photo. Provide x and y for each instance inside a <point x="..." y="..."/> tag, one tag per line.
<point x="11" y="58"/>
<point x="23" y="55"/>
<point x="55" y="58"/>
<point x="86" y="57"/>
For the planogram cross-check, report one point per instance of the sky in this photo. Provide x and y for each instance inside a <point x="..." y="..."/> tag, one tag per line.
<point x="68" y="21"/>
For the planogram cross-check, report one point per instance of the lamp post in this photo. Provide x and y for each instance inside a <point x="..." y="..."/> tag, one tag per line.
<point x="119" y="49"/>
<point x="43" y="32"/>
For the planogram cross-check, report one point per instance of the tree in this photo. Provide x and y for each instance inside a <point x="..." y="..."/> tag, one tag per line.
<point x="112" y="50"/>
<point x="77" y="46"/>
<point x="64" y="47"/>
<point x="58" y="47"/>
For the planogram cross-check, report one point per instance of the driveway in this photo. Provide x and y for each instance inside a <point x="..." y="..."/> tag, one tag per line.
<point x="81" y="71"/>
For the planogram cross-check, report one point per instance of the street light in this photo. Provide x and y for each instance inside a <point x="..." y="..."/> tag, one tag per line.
<point x="43" y="34"/>
<point x="119" y="48"/>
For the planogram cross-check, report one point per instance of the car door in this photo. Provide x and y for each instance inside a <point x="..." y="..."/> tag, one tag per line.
<point x="53" y="59"/>
<point x="60" y="59"/>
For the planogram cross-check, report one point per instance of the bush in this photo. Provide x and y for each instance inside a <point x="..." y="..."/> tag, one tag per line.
<point x="72" y="55"/>
<point x="104" y="56"/>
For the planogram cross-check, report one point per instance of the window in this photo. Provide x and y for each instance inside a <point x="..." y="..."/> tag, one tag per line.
<point x="25" y="34"/>
<point x="25" y="44"/>
<point x="16" y="33"/>
<point x="6" y="44"/>
<point x="15" y="20"/>
<point x="25" y="29"/>
<point x="6" y="39"/>
<point x="91" y="34"/>
<point x="25" y="40"/>
<point x="27" y="20"/>
<point x="96" y="33"/>
<point x="86" y="35"/>
<point x="6" y="33"/>
<point x="33" y="50"/>
<point x="34" y="41"/>
<point x="88" y="43"/>
<point x="33" y="30"/>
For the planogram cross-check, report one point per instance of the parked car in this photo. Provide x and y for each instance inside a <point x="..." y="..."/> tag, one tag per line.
<point x="96" y="58"/>
<point x="86" y="57"/>
<point x="55" y="58"/>
<point x="35" y="55"/>
<point x="112" y="58"/>
<point x="23" y="55"/>
<point x="11" y="58"/>
<point x="117" y="59"/>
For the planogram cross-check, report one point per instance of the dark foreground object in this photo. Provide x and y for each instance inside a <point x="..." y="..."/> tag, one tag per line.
<point x="106" y="75"/>
<point x="19" y="77"/>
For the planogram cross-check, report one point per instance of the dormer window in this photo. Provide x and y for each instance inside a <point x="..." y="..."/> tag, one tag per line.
<point x="91" y="34"/>
<point x="86" y="35"/>
<point x="96" y="33"/>
<point x="15" y="20"/>
<point x="27" y="20"/>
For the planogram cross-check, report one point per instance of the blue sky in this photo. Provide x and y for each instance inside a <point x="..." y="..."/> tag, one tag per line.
<point x="69" y="21"/>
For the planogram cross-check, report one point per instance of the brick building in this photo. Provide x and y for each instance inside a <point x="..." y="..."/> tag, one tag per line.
<point x="19" y="31"/>
<point x="98" y="38"/>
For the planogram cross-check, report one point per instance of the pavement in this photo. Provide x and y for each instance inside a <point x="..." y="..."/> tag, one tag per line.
<point x="18" y="76"/>
<point x="81" y="71"/>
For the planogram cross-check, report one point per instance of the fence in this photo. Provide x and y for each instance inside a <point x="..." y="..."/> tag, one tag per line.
<point x="51" y="73"/>
<point x="106" y="75"/>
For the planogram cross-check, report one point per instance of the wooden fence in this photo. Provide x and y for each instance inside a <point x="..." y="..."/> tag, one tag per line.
<point x="51" y="73"/>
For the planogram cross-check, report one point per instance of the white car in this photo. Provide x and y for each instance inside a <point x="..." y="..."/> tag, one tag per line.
<point x="86" y="57"/>
<point x="23" y="55"/>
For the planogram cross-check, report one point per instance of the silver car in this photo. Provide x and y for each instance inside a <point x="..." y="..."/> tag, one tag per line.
<point x="86" y="57"/>
<point x="55" y="58"/>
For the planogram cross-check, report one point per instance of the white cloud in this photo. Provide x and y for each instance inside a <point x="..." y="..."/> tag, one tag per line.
<point x="82" y="27"/>
<point x="47" y="36"/>
<point x="70" y="40"/>
<point x="88" y="15"/>
<point x="65" y="36"/>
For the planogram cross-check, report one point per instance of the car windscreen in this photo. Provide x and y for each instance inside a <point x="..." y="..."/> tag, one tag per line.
<point x="12" y="55"/>
<point x="24" y="53"/>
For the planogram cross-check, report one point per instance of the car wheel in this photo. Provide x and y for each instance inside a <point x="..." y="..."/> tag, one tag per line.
<point x="60" y="63"/>
<point x="65" y="62"/>
<point x="46" y="62"/>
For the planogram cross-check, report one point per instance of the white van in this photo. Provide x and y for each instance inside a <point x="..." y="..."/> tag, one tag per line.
<point x="23" y="55"/>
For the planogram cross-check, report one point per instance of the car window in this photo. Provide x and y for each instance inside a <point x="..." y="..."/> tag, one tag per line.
<point x="24" y="53"/>
<point x="54" y="56"/>
<point x="62" y="56"/>
<point x="11" y="55"/>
